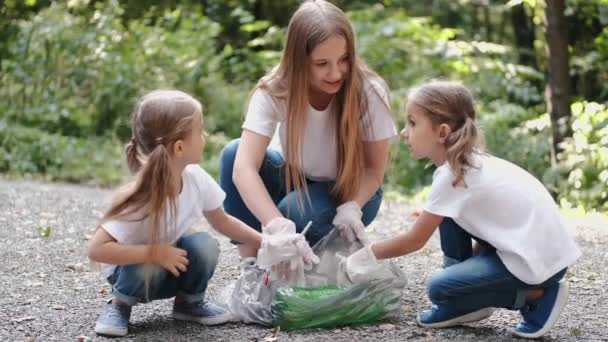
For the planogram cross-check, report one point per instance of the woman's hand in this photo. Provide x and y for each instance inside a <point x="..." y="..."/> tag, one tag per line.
<point x="348" y="222"/>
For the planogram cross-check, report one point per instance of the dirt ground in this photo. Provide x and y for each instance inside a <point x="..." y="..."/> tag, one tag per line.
<point x="49" y="293"/>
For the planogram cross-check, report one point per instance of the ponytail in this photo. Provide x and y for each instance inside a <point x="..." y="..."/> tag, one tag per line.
<point x="461" y="144"/>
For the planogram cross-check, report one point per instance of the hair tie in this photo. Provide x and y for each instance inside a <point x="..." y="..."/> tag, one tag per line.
<point x="132" y="141"/>
<point x="160" y="141"/>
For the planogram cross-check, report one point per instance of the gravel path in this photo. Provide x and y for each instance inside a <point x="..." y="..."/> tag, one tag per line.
<point x="48" y="292"/>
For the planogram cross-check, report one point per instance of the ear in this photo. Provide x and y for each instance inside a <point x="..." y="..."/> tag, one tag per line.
<point x="178" y="147"/>
<point x="444" y="131"/>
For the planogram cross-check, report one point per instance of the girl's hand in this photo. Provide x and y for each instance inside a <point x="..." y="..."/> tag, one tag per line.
<point x="171" y="258"/>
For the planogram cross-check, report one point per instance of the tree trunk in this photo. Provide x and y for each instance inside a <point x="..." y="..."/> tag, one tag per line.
<point x="557" y="91"/>
<point x="523" y="28"/>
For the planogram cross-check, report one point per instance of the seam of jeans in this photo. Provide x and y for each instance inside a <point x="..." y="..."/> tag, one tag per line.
<point x="271" y="163"/>
<point x="451" y="290"/>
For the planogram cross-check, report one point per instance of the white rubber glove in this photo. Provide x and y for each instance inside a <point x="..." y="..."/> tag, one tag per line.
<point x="362" y="266"/>
<point x="279" y="225"/>
<point x="348" y="222"/>
<point x="285" y="254"/>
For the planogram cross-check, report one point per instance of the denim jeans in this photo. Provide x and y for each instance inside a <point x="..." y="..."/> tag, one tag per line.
<point x="475" y="282"/>
<point x="321" y="208"/>
<point x="129" y="281"/>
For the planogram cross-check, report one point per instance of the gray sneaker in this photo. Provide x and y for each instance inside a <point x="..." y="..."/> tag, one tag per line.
<point x="114" y="320"/>
<point x="202" y="312"/>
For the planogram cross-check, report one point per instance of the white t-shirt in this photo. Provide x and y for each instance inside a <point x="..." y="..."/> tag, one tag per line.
<point x="199" y="193"/>
<point x="319" y="150"/>
<point x="510" y="209"/>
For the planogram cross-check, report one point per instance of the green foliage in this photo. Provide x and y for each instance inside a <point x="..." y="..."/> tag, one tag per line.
<point x="71" y="71"/>
<point x="31" y="151"/>
<point x="585" y="159"/>
<point x="517" y="134"/>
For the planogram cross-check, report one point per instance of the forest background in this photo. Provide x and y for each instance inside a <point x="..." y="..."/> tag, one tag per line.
<point x="71" y="70"/>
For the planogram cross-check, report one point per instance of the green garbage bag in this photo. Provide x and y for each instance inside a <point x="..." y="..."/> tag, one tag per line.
<point x="335" y="305"/>
<point x="330" y="299"/>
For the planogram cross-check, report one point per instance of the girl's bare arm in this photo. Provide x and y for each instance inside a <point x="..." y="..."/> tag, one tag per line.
<point x="232" y="227"/>
<point x="411" y="241"/>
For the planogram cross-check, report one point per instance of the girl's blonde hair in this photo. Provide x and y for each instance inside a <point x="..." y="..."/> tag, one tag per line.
<point x="160" y="118"/>
<point x="451" y="103"/>
<point x="314" y="22"/>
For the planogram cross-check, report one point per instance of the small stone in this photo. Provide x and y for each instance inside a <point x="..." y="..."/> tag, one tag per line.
<point x="387" y="326"/>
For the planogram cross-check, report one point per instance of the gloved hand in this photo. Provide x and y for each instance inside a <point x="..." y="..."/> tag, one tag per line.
<point x="348" y="222"/>
<point x="285" y="254"/>
<point x="362" y="266"/>
<point x="279" y="225"/>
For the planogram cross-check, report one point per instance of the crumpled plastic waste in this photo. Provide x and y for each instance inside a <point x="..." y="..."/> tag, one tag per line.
<point x="327" y="299"/>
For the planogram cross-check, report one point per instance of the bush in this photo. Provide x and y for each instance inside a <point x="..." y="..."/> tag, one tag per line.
<point x="30" y="151"/>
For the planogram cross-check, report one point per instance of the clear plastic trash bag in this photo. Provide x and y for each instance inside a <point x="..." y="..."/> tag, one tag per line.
<point x="328" y="299"/>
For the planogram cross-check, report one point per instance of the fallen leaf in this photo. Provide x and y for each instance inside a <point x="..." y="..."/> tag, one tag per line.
<point x="83" y="338"/>
<point x="576" y="332"/>
<point x="45" y="232"/>
<point x="387" y="326"/>
<point x="270" y="339"/>
<point x="23" y="319"/>
<point x="34" y="283"/>
<point x="58" y="307"/>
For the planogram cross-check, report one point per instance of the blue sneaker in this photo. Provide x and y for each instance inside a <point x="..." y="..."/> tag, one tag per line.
<point x="202" y="312"/>
<point x="114" y="320"/>
<point x="438" y="317"/>
<point x="541" y="314"/>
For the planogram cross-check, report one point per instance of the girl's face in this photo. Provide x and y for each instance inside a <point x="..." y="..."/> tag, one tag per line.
<point x="423" y="138"/>
<point x="195" y="142"/>
<point x="329" y="65"/>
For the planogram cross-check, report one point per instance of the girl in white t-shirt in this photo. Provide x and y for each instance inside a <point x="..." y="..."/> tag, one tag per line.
<point x="146" y="243"/>
<point x="330" y="117"/>
<point x="522" y="248"/>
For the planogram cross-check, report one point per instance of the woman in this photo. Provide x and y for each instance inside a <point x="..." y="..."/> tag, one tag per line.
<point x="334" y="126"/>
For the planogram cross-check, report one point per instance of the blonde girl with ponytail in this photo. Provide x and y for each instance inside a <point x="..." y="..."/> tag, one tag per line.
<point x="145" y="242"/>
<point x="314" y="145"/>
<point x="522" y="249"/>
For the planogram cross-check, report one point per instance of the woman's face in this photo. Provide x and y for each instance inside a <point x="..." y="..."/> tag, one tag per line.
<point x="329" y="65"/>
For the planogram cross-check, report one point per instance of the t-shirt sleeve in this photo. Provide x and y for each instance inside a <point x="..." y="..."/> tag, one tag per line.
<point x="126" y="231"/>
<point x="211" y="195"/>
<point x="261" y="117"/>
<point x="377" y="122"/>
<point x="444" y="199"/>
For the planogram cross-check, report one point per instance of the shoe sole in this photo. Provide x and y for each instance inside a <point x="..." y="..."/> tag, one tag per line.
<point x="109" y="330"/>
<point x="225" y="318"/>
<point x="560" y="302"/>
<point x="474" y="316"/>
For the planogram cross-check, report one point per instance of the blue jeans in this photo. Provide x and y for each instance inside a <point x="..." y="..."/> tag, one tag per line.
<point x="475" y="282"/>
<point x="129" y="281"/>
<point x="321" y="208"/>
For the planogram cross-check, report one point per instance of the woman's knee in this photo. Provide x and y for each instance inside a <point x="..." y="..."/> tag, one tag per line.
<point x="228" y="154"/>
<point x="371" y="208"/>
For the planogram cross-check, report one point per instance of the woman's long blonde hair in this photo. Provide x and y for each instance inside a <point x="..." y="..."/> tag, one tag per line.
<point x="452" y="103"/>
<point x="312" y="23"/>
<point x="159" y="119"/>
